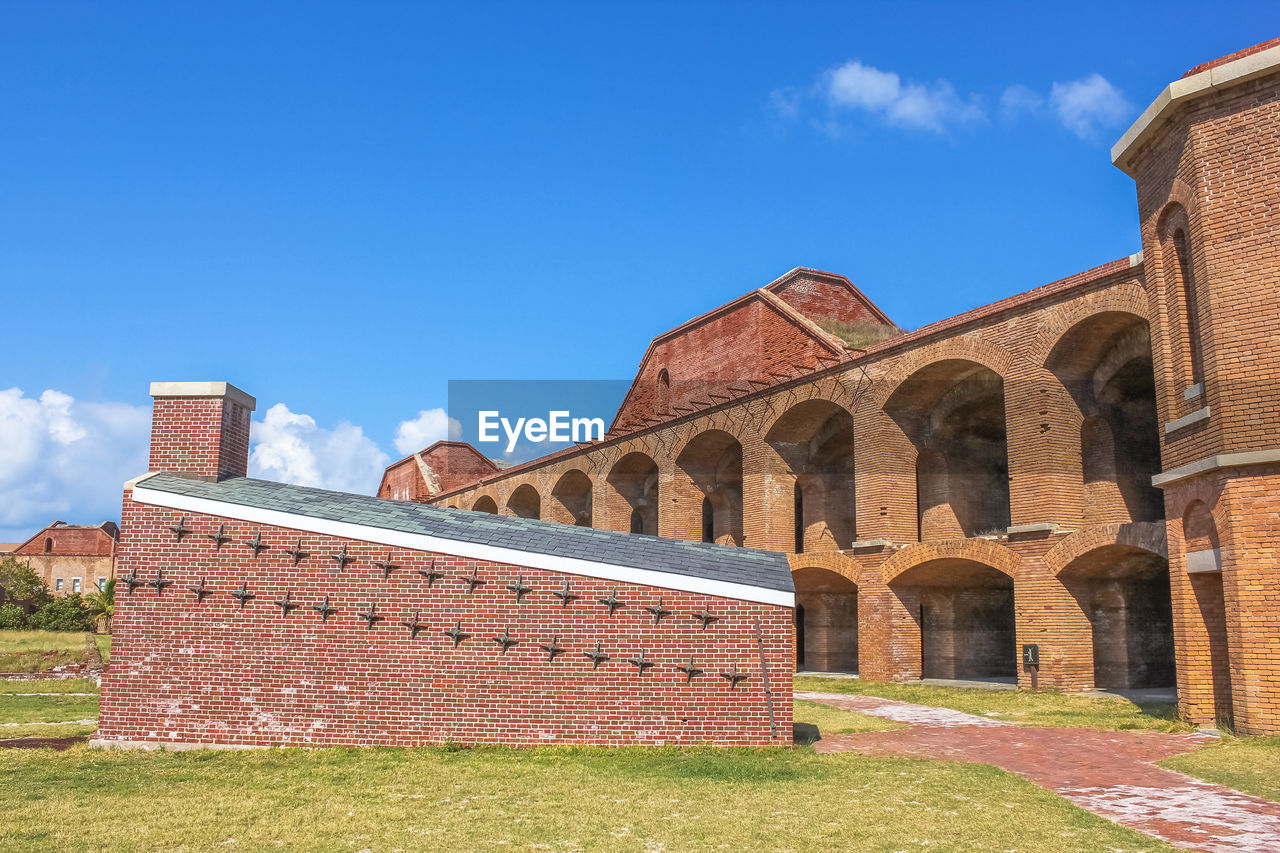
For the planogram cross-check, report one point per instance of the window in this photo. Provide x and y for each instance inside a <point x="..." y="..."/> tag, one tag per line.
<point x="664" y="390"/>
<point x="102" y="584"/>
<point x="1189" y="304"/>
<point x="57" y="585"/>
<point x="48" y="545"/>
<point x="75" y="584"/>
<point x="799" y="519"/>
<point x="708" y="521"/>
<point x="637" y="521"/>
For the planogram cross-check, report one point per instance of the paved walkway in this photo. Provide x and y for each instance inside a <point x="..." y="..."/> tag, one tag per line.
<point x="1111" y="774"/>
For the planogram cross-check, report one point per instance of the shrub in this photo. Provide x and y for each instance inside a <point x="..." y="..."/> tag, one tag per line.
<point x="63" y="614"/>
<point x="12" y="617"/>
<point x="21" y="583"/>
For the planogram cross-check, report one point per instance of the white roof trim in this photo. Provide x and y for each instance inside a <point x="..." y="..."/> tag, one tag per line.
<point x="423" y="542"/>
<point x="1178" y="92"/>
<point x="204" y="389"/>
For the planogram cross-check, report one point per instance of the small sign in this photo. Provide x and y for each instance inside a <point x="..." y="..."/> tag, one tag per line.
<point x="1031" y="655"/>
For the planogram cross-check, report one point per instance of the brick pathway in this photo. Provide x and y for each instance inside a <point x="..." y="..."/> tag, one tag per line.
<point x="1111" y="774"/>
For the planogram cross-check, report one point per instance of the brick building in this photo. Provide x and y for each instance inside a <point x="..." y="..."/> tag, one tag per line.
<point x="70" y="557"/>
<point x="252" y="613"/>
<point x="1091" y="467"/>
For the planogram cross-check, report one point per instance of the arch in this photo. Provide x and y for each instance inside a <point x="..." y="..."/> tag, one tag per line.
<point x="664" y="391"/>
<point x="1127" y="298"/>
<point x="1123" y="590"/>
<point x="953" y="412"/>
<point x="631" y="498"/>
<point x="986" y="354"/>
<point x="981" y="551"/>
<point x="1184" y="294"/>
<point x="1104" y="361"/>
<point x="484" y="503"/>
<point x="964" y="612"/>
<point x="525" y="502"/>
<point x="711" y="464"/>
<point x="1140" y="536"/>
<point x="815" y="440"/>
<point x="48" y="545"/>
<point x="571" y="499"/>
<point x="826" y="620"/>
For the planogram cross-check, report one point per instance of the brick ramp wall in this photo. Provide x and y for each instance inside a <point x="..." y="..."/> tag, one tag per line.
<point x="216" y="673"/>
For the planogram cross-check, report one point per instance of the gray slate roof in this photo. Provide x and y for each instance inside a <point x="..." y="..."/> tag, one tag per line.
<point x="764" y="569"/>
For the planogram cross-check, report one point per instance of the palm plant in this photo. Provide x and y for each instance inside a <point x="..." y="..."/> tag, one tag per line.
<point x="102" y="605"/>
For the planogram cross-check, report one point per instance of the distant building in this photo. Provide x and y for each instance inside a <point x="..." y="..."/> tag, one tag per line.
<point x="70" y="557"/>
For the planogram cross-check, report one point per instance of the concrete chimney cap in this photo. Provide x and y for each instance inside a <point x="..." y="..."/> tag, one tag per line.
<point x="204" y="389"/>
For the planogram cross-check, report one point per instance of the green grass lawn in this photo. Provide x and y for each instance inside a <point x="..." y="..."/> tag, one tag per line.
<point x="549" y="799"/>
<point x="35" y="651"/>
<point x="814" y="721"/>
<point x="48" y="685"/>
<point x="1248" y="764"/>
<point x="20" y="708"/>
<point x="1034" y="708"/>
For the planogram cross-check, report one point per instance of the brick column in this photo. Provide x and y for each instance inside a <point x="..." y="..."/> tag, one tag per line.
<point x="200" y="429"/>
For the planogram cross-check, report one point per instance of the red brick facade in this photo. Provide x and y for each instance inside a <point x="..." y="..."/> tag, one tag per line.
<point x="989" y="482"/>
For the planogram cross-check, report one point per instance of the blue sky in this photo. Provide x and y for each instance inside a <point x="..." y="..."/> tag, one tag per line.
<point x="340" y="207"/>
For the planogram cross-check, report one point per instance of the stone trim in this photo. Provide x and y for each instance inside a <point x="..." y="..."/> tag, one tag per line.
<point x="1215" y="463"/>
<point x="204" y="389"/>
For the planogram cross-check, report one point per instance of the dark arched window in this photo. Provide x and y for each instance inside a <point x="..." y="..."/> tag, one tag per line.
<point x="799" y="516"/>
<point x="48" y="545"/>
<point x="708" y="521"/>
<point x="664" y="390"/>
<point x="799" y="636"/>
<point x="637" y="521"/>
<point x="1190" y="303"/>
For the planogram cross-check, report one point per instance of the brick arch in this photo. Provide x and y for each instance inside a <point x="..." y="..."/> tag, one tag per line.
<point x="1143" y="535"/>
<point x="990" y="355"/>
<point x="1124" y="299"/>
<point x="982" y="551"/>
<point x="833" y="561"/>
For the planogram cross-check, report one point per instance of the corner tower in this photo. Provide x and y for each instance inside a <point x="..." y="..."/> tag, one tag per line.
<point x="1206" y="159"/>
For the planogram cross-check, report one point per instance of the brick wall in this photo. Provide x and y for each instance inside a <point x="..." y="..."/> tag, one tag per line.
<point x="207" y="436"/>
<point x="212" y="671"/>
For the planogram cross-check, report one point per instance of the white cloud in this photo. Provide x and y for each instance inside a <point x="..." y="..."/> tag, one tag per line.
<point x="1089" y="104"/>
<point x="288" y="447"/>
<point x="430" y="426"/>
<point x="1020" y="99"/>
<point x="856" y="85"/>
<point x="60" y="458"/>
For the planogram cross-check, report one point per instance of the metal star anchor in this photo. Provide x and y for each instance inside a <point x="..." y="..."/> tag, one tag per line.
<point x="159" y="583"/>
<point x="342" y="558"/>
<point x="180" y="529"/>
<point x="519" y="587"/>
<point x="658" y="611"/>
<point x="297" y="553"/>
<point x="256" y="544"/>
<point x="565" y="596"/>
<point x="132" y="581"/>
<point x="286" y="604"/>
<point x="506" y="640"/>
<point x="612" y="602"/>
<point x="597" y="657"/>
<point x="640" y="662"/>
<point x="472" y="580"/>
<point x="456" y="634"/>
<point x="386" y="566"/>
<point x="220" y="538"/>
<point x="199" y="591"/>
<point x="325" y="609"/>
<point x="371" y="616"/>
<point x="733" y="676"/>
<point x="690" y="671"/>
<point x="553" y="648"/>
<point x="706" y="617"/>
<point x="413" y="625"/>
<point x="243" y="594"/>
<point x="431" y="574"/>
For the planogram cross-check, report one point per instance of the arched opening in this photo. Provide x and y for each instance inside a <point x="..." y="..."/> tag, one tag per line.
<point x="571" y="499"/>
<point x="1200" y="541"/>
<point x="1124" y="592"/>
<point x="953" y="412"/>
<point x="48" y="545"/>
<point x="485" y="504"/>
<point x="664" y="391"/>
<point x="632" y="496"/>
<point x="965" y="614"/>
<point x="712" y="464"/>
<point x="826" y="621"/>
<point x="525" y="502"/>
<point x="815" y="440"/>
<point x="1104" y="362"/>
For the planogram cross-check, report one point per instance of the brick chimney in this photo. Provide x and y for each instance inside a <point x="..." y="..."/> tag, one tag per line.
<point x="200" y="429"/>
